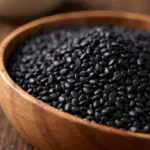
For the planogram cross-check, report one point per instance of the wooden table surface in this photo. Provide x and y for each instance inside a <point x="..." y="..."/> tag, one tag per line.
<point x="9" y="137"/>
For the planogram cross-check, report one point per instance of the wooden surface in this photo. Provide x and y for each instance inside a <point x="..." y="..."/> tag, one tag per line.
<point x="9" y="137"/>
<point x="139" y="6"/>
<point x="47" y="127"/>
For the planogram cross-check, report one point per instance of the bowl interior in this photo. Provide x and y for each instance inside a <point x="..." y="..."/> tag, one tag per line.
<point x="64" y="20"/>
<point x="75" y="19"/>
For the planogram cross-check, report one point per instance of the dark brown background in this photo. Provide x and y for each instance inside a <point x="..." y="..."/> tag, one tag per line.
<point x="9" y="137"/>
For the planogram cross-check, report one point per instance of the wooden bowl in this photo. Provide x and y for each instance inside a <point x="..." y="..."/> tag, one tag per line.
<point x="46" y="127"/>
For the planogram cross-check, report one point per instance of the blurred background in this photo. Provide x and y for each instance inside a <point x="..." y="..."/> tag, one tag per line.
<point x="14" y="13"/>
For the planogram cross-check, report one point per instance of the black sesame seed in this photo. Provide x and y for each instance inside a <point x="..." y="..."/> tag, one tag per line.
<point x="74" y="94"/>
<point x="117" y="77"/>
<point x="133" y="129"/>
<point x="90" y="112"/>
<point x="133" y="113"/>
<point x="67" y="107"/>
<point x="61" y="99"/>
<point x="53" y="96"/>
<point x="98" y="73"/>
<point x="45" y="98"/>
<point x="63" y="71"/>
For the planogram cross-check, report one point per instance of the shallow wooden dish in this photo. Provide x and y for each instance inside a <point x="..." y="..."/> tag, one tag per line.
<point x="48" y="128"/>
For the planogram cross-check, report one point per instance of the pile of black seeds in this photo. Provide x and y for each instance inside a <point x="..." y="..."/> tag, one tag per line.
<point x="100" y="73"/>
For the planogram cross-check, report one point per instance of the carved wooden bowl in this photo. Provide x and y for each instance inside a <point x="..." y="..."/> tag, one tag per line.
<point x="46" y="127"/>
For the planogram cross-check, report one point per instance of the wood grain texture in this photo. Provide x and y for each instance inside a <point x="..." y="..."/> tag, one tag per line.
<point x="48" y="128"/>
<point x="9" y="137"/>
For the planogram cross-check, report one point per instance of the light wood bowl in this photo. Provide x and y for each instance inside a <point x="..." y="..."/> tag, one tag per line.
<point x="46" y="127"/>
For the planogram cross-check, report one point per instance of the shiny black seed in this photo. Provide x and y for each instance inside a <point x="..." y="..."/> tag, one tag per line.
<point x="84" y="103"/>
<point x="112" y="60"/>
<point x="118" y="123"/>
<point x="93" y="81"/>
<point x="87" y="90"/>
<point x="97" y="116"/>
<point x="53" y="96"/>
<point x="140" y="61"/>
<point x="133" y="129"/>
<point x="78" y="62"/>
<point x="119" y="104"/>
<point x="68" y="85"/>
<point x="74" y="94"/>
<point x="96" y="104"/>
<point x="99" y="68"/>
<point x="75" y="110"/>
<point x="131" y="96"/>
<point x="61" y="99"/>
<point x="63" y="71"/>
<point x="45" y="98"/>
<point x="71" y="80"/>
<point x="133" y="113"/>
<point x="99" y="73"/>
<point x="67" y="107"/>
<point x="31" y="80"/>
<point x="77" y="69"/>
<point x="117" y="114"/>
<point x="117" y="77"/>
<point x="147" y="95"/>
<point x="90" y="112"/>
<point x="139" y="110"/>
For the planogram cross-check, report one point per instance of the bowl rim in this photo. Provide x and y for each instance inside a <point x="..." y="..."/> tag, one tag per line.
<point x="81" y="14"/>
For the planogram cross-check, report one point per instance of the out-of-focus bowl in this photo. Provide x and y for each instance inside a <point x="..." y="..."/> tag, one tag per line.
<point x="49" y="128"/>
